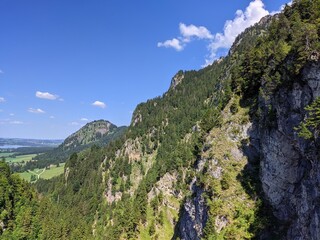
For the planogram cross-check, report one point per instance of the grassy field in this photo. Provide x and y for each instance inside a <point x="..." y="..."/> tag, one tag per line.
<point x="54" y="171"/>
<point x="6" y="154"/>
<point x="39" y="173"/>
<point x="43" y="173"/>
<point x="21" y="158"/>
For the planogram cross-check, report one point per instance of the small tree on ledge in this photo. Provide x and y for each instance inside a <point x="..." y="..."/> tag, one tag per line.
<point x="310" y="127"/>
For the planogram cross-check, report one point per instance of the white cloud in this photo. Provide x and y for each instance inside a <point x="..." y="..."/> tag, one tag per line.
<point x="188" y="32"/>
<point x="173" y="43"/>
<point x="51" y="117"/>
<point x="1" y="72"/>
<point x="74" y="123"/>
<point x="232" y="28"/>
<point x="99" y="104"/>
<point x="219" y="41"/>
<point x="46" y="95"/>
<point x="2" y="99"/>
<point x="11" y="114"/>
<point x="84" y="119"/>
<point x="35" y="110"/>
<point x="193" y="31"/>
<point x="16" y="122"/>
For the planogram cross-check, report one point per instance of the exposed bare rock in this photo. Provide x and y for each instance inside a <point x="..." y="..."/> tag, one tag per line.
<point x="66" y="174"/>
<point x="176" y="80"/>
<point x="220" y="223"/>
<point x="193" y="217"/>
<point x="290" y="167"/>
<point x="132" y="149"/>
<point x="165" y="186"/>
<point x="109" y="196"/>
<point x="136" y="119"/>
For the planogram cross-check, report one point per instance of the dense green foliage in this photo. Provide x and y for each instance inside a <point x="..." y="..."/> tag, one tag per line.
<point x="18" y="207"/>
<point x="291" y="41"/>
<point x="79" y="192"/>
<point x="23" y="215"/>
<point x="310" y="127"/>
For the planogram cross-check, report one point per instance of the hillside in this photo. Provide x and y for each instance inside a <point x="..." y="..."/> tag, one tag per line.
<point x="98" y="133"/>
<point x="228" y="152"/>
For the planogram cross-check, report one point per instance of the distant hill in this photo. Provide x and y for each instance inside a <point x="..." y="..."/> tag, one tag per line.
<point x="98" y="132"/>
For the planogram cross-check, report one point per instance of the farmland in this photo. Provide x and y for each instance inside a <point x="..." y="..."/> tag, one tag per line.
<point x="6" y="154"/>
<point x="45" y="173"/>
<point x="34" y="175"/>
<point x="20" y="158"/>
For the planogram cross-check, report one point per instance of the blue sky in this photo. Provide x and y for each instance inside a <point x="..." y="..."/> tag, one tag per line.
<point x="64" y="63"/>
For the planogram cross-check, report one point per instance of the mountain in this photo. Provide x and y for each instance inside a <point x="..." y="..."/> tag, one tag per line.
<point x="98" y="132"/>
<point x="228" y="152"/>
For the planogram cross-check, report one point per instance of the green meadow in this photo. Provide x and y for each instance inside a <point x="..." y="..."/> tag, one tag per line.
<point x="43" y="173"/>
<point x="20" y="158"/>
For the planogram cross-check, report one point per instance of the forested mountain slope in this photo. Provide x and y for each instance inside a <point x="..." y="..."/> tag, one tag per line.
<point x="98" y="133"/>
<point x="228" y="152"/>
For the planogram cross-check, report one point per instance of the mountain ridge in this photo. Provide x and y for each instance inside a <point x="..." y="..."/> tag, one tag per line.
<point x="218" y="156"/>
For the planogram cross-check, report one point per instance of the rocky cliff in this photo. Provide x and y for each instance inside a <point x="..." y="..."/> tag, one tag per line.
<point x="194" y="216"/>
<point x="290" y="170"/>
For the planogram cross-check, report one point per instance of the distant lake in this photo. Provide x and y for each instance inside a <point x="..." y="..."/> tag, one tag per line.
<point x="11" y="146"/>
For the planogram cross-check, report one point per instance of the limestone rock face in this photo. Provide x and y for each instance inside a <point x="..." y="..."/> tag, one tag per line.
<point x="176" y="80"/>
<point x="290" y="167"/>
<point x="194" y="216"/>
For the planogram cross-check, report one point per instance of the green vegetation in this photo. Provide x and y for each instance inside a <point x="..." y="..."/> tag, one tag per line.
<point x="62" y="217"/>
<point x="226" y="175"/>
<point x="94" y="133"/>
<point x="45" y="173"/>
<point x="18" y="207"/>
<point x="6" y="154"/>
<point x="53" y="172"/>
<point x="292" y="35"/>
<point x="310" y="127"/>
<point x="113" y="191"/>
<point x="20" y="159"/>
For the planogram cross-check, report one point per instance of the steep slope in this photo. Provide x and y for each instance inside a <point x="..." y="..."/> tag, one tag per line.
<point x="290" y="167"/>
<point x="219" y="156"/>
<point x="273" y="67"/>
<point x="18" y="207"/>
<point x="98" y="132"/>
<point x="159" y="193"/>
<point x="288" y="83"/>
<point x="23" y="215"/>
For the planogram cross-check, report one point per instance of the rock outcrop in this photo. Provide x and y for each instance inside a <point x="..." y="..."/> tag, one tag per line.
<point x="194" y="216"/>
<point x="176" y="80"/>
<point x="290" y="167"/>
